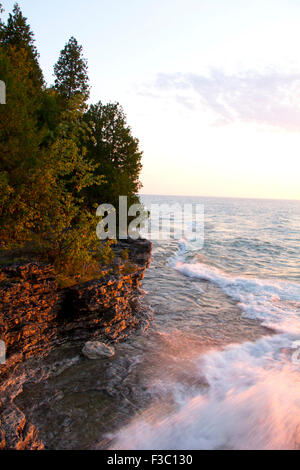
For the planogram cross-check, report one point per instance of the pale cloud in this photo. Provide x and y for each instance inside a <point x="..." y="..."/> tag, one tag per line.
<point x="270" y="98"/>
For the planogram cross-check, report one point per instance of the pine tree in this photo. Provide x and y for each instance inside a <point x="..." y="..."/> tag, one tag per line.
<point x="16" y="35"/>
<point x="44" y="169"/>
<point x="71" y="71"/>
<point x="20" y="136"/>
<point x="18" y="32"/>
<point x="20" y="133"/>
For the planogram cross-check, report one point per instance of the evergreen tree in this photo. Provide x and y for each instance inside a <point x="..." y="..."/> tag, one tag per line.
<point x="117" y="153"/>
<point x="54" y="157"/>
<point x="19" y="134"/>
<point x="18" y="32"/>
<point x="20" y="140"/>
<point x="16" y="35"/>
<point x="71" y="71"/>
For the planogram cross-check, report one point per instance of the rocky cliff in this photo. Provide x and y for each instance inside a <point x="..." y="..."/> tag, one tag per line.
<point x="36" y="316"/>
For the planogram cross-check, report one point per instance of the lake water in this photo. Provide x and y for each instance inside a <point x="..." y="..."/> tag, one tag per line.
<point x="219" y="368"/>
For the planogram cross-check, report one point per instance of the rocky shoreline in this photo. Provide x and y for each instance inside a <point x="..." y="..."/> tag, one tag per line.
<point x="36" y="317"/>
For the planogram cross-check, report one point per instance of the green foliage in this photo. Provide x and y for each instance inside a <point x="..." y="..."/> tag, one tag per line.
<point x="17" y="31"/>
<point x="71" y="71"/>
<point x="57" y="161"/>
<point x="117" y="152"/>
<point x="17" y="36"/>
<point x="19" y="136"/>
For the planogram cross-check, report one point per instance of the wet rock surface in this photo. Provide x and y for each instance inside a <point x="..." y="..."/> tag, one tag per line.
<point x="45" y="328"/>
<point x="96" y="350"/>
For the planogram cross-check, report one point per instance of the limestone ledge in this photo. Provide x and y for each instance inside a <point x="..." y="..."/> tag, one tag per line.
<point x="36" y="316"/>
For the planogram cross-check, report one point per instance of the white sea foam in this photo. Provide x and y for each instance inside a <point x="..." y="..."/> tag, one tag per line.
<point x="253" y="402"/>
<point x="275" y="303"/>
<point x="253" y="399"/>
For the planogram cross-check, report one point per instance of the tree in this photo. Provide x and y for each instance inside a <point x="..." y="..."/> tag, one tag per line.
<point x="71" y="71"/>
<point x="65" y="225"/>
<point x="43" y="164"/>
<point x="54" y="156"/>
<point x="117" y="153"/>
<point x="20" y="139"/>
<point x="44" y="204"/>
<point x="19" y="135"/>
<point x="16" y="35"/>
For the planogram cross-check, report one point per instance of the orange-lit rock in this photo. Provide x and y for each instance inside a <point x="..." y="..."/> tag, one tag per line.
<point x="36" y="317"/>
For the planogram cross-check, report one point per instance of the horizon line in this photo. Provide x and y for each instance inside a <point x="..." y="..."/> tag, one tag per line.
<point x="221" y="197"/>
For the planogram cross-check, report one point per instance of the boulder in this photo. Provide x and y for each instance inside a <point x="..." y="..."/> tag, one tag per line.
<point x="96" y="350"/>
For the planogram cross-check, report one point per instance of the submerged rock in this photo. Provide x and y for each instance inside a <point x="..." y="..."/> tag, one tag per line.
<point x="96" y="350"/>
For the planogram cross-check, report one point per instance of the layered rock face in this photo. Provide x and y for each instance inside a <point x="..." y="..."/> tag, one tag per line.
<point x="30" y="303"/>
<point x="36" y="317"/>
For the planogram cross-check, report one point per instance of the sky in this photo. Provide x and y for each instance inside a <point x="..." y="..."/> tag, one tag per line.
<point x="210" y="87"/>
